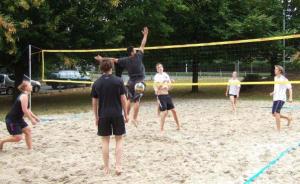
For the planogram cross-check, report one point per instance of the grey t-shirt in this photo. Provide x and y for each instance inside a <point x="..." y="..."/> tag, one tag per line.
<point x="134" y="65"/>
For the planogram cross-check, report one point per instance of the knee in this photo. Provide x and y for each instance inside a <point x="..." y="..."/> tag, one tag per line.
<point x="276" y="115"/>
<point x="27" y="132"/>
<point x="18" y="138"/>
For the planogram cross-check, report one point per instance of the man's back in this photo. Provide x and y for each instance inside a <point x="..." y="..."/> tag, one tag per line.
<point x="134" y="65"/>
<point x="108" y="89"/>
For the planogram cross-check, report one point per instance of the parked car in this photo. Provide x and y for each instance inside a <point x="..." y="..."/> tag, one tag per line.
<point x="7" y="84"/>
<point x="73" y="75"/>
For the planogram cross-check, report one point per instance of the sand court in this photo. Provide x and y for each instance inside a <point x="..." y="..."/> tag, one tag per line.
<point x="214" y="146"/>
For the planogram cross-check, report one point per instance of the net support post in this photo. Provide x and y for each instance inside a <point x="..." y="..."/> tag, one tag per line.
<point x="29" y="72"/>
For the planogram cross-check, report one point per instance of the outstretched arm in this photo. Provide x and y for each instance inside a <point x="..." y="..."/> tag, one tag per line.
<point x="144" y="41"/>
<point x="100" y="59"/>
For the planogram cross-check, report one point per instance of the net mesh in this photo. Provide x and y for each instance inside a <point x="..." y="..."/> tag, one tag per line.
<point x="207" y="62"/>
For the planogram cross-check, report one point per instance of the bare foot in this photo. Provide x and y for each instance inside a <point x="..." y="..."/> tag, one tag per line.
<point x="118" y="171"/>
<point x="135" y="122"/>
<point x="1" y="145"/>
<point x="106" y="170"/>
<point x="178" y="128"/>
<point x="290" y="119"/>
<point x="162" y="132"/>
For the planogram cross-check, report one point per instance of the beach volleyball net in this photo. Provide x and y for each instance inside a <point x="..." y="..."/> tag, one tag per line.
<point x="188" y="64"/>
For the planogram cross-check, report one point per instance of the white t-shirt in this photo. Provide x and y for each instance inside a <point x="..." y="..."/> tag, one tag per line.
<point x="234" y="88"/>
<point x="280" y="89"/>
<point x="161" y="78"/>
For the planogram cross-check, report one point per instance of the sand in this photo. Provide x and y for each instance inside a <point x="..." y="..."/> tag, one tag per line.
<point x="214" y="146"/>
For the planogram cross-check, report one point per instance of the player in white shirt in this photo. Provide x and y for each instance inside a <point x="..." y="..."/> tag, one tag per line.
<point x="279" y="95"/>
<point x="162" y="84"/>
<point x="233" y="90"/>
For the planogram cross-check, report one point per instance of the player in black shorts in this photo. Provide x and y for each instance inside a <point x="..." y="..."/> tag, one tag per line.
<point x="15" y="123"/>
<point x="133" y="63"/>
<point x="109" y="101"/>
<point x="162" y="83"/>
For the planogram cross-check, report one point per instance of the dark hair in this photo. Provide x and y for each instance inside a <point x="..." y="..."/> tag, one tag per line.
<point x="106" y="65"/>
<point x="130" y="50"/>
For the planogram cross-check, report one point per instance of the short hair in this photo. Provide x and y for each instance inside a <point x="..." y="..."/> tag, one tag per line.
<point x="157" y="64"/>
<point x="106" y="65"/>
<point x="23" y="85"/>
<point x="130" y="50"/>
<point x="280" y="68"/>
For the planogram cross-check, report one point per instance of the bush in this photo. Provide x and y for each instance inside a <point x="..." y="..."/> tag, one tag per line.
<point x="250" y="78"/>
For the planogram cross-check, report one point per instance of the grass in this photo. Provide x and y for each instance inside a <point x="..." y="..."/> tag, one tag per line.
<point x="79" y="100"/>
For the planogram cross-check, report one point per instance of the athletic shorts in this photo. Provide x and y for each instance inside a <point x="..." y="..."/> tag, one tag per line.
<point x="165" y="102"/>
<point x="15" y="128"/>
<point x="130" y="92"/>
<point x="235" y="96"/>
<point x="111" y="126"/>
<point x="277" y="105"/>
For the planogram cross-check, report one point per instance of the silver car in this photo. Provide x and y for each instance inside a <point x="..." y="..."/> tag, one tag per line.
<point x="7" y="84"/>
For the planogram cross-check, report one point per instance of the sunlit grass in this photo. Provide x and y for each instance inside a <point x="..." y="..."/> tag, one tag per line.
<point x="79" y="100"/>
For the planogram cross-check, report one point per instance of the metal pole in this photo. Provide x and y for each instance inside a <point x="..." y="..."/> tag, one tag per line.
<point x="283" y="54"/>
<point x="29" y="62"/>
<point x="238" y="67"/>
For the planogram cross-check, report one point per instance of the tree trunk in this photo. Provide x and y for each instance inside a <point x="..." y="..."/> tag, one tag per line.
<point x="21" y="68"/>
<point x="195" y="69"/>
<point x="273" y="62"/>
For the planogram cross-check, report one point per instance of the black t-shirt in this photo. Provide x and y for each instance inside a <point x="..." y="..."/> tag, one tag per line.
<point x="108" y="89"/>
<point x="134" y="65"/>
<point x="119" y="70"/>
<point x="16" y="113"/>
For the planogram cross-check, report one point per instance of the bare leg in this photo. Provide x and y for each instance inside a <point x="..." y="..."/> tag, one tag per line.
<point x="119" y="151"/>
<point x="136" y="107"/>
<point x="175" y="118"/>
<point x="128" y="106"/>
<point x="28" y="139"/>
<point x="277" y="118"/>
<point x="158" y="110"/>
<point x="15" y="138"/>
<point x="235" y="103"/>
<point x="232" y="103"/>
<point x="105" y="153"/>
<point x="163" y="116"/>
<point x="289" y="119"/>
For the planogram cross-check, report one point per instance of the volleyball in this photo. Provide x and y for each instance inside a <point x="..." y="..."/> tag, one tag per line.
<point x="139" y="87"/>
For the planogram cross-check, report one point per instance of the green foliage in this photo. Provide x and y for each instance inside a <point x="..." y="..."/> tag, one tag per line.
<point x="74" y="24"/>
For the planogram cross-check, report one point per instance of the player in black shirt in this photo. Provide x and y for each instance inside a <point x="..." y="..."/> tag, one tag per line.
<point x="136" y="71"/>
<point x="15" y="123"/>
<point x="108" y="99"/>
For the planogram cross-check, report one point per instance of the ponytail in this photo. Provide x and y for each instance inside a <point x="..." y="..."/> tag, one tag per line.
<point x="22" y="86"/>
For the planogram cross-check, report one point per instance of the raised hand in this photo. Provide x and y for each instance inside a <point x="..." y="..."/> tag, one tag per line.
<point x="145" y="31"/>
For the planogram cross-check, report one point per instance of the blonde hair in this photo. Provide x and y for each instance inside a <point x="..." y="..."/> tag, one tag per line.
<point x="280" y="68"/>
<point x="157" y="64"/>
<point x="22" y="86"/>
